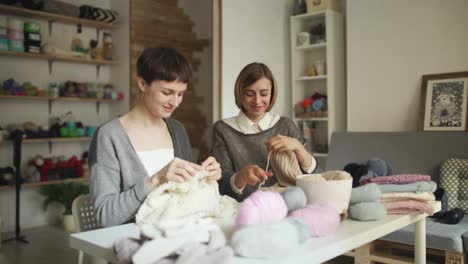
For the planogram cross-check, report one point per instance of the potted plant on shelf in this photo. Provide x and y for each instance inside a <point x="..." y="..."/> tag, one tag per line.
<point x="63" y="194"/>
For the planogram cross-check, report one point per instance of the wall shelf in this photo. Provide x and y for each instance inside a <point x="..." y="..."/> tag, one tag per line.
<point x="304" y="119"/>
<point x="51" y="58"/>
<point x="311" y="78"/>
<point x="56" y="57"/>
<point x="33" y="184"/>
<point x="312" y="46"/>
<point x="51" y="99"/>
<point x="51" y="17"/>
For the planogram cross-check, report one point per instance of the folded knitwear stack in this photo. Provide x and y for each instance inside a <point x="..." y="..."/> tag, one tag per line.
<point x="406" y="193"/>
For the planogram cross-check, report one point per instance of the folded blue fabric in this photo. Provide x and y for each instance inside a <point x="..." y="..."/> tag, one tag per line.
<point x="416" y="187"/>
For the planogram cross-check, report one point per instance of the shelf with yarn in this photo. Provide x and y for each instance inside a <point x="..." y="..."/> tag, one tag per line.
<point x="56" y="57"/>
<point x="50" y="17"/>
<point x="51" y="99"/>
<point x="51" y="140"/>
<point x="33" y="184"/>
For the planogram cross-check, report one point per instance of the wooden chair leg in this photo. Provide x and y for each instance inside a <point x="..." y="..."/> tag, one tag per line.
<point x="454" y="258"/>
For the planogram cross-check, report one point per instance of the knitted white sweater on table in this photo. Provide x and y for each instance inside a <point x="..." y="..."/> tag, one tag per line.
<point x="190" y="200"/>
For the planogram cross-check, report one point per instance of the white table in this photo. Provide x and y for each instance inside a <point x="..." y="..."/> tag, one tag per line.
<point x="349" y="235"/>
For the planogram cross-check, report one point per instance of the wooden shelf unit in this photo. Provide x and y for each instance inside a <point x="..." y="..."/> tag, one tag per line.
<point x="33" y="184"/>
<point x="51" y="17"/>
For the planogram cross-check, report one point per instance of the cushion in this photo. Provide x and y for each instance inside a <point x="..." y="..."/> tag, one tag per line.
<point x="438" y="236"/>
<point x="454" y="180"/>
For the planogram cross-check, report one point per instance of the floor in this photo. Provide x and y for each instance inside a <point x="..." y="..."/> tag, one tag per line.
<point x="48" y="244"/>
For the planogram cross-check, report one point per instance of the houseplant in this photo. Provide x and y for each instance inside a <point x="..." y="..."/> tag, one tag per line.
<point x="63" y="194"/>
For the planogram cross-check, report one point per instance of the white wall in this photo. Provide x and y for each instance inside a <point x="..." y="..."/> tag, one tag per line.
<point x="36" y="71"/>
<point x="390" y="45"/>
<point x="255" y="31"/>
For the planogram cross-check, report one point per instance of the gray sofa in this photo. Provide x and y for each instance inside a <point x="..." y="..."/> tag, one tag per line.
<point x="409" y="152"/>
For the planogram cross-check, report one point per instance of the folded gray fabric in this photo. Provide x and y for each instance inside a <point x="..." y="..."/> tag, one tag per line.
<point x="370" y="211"/>
<point x="367" y="193"/>
<point x="416" y="187"/>
<point x="198" y="253"/>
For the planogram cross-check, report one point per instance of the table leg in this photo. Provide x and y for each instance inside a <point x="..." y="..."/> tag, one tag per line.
<point x="362" y="253"/>
<point x="420" y="242"/>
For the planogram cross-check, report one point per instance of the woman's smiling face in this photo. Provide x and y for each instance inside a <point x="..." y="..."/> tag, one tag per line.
<point x="256" y="99"/>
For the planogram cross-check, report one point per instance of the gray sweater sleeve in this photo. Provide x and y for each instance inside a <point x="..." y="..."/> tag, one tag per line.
<point x="113" y="206"/>
<point x="220" y="153"/>
<point x="118" y="178"/>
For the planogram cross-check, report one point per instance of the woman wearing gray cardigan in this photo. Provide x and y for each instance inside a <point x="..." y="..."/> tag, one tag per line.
<point x="241" y="143"/>
<point x="131" y="155"/>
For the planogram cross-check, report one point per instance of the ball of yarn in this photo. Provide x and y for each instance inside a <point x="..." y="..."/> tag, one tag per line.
<point x="321" y="220"/>
<point x="379" y="166"/>
<point x="295" y="198"/>
<point x="261" y="207"/>
<point x="357" y="171"/>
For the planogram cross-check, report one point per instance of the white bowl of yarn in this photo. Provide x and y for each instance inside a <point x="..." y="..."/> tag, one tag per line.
<point x="332" y="188"/>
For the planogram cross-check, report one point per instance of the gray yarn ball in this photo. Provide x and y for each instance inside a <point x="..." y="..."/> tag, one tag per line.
<point x="295" y="198"/>
<point x="379" y="166"/>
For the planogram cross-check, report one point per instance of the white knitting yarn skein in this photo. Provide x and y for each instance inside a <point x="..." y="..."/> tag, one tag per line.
<point x="286" y="167"/>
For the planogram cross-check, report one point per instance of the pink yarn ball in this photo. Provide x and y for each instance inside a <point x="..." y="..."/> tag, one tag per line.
<point x="261" y="207"/>
<point x="321" y="220"/>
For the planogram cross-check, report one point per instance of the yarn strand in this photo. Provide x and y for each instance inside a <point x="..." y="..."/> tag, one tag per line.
<point x="266" y="169"/>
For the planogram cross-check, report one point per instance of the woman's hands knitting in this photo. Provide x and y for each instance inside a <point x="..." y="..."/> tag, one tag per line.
<point x="213" y="168"/>
<point x="177" y="170"/>
<point x="251" y="175"/>
<point x="282" y="143"/>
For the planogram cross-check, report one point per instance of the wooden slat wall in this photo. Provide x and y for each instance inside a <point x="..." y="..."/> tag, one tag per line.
<point x="163" y="23"/>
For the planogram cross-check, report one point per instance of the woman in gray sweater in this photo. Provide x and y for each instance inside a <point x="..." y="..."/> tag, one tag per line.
<point x="131" y="155"/>
<point x="241" y="143"/>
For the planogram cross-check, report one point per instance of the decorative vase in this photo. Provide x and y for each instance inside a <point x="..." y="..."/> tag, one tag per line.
<point x="300" y="7"/>
<point x="68" y="223"/>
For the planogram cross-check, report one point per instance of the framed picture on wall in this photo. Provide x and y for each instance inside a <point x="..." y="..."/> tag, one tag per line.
<point x="444" y="106"/>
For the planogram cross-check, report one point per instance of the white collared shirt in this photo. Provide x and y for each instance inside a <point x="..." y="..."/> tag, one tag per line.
<point x="243" y="124"/>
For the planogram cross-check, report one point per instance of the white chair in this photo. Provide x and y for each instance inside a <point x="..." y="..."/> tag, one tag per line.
<point x="84" y="217"/>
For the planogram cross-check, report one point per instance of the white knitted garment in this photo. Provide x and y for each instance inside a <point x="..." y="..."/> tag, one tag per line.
<point x="190" y="200"/>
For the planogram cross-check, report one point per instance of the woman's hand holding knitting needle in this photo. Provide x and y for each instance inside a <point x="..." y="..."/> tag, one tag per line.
<point x="251" y="175"/>
<point x="177" y="170"/>
<point x="282" y="143"/>
<point x="213" y="168"/>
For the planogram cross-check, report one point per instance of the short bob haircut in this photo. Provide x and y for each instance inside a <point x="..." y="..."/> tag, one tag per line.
<point x="163" y="64"/>
<point x="248" y="76"/>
